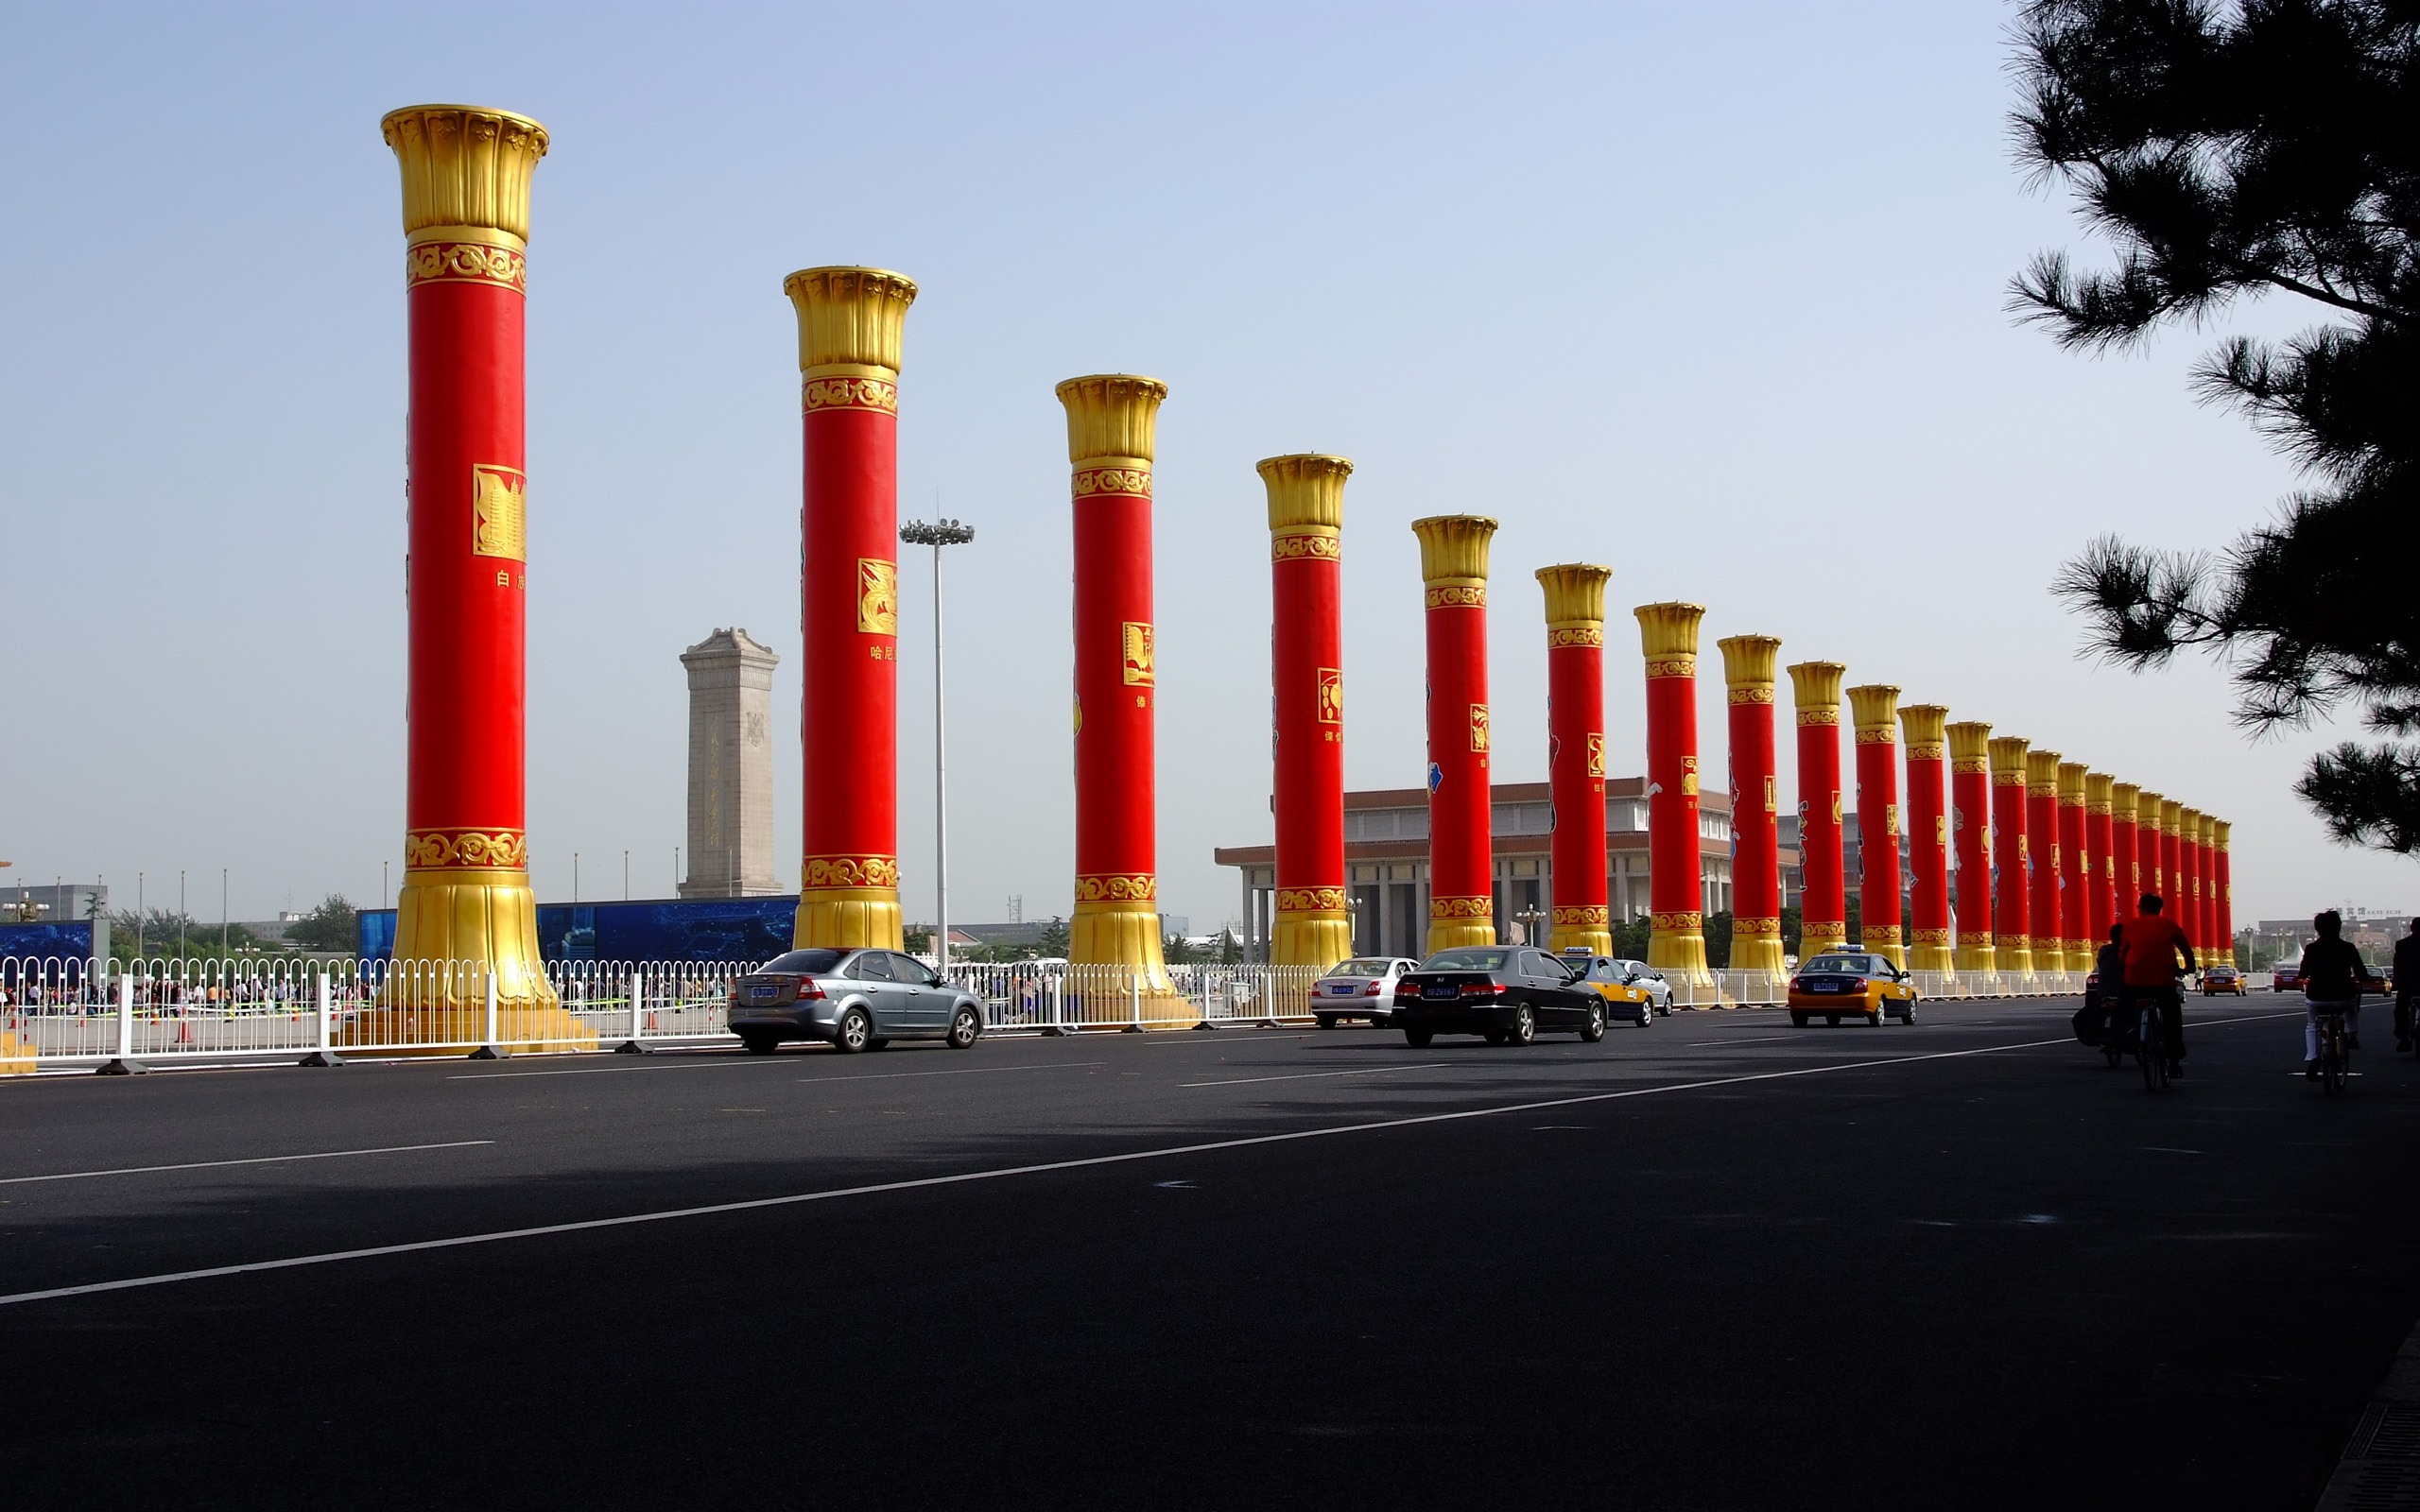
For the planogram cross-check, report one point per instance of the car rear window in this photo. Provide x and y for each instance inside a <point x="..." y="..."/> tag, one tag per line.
<point x="1850" y="965"/>
<point x="1359" y="967"/>
<point x="802" y="963"/>
<point x="1465" y="958"/>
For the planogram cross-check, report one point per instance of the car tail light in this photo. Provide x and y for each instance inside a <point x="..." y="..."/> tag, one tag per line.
<point x="807" y="990"/>
<point x="1369" y="992"/>
<point x="1481" y="989"/>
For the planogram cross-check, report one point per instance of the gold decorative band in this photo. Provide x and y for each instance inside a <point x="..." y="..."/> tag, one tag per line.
<point x="1454" y="595"/>
<point x="1324" y="546"/>
<point x="1131" y="480"/>
<point x="1672" y="667"/>
<point x="1128" y="887"/>
<point x="2101" y="806"/>
<point x="818" y="395"/>
<point x="1877" y="737"/>
<point x="1927" y="753"/>
<point x="2015" y="779"/>
<point x="1562" y="637"/>
<point x="478" y="847"/>
<point x="1759" y="693"/>
<point x="465" y="263"/>
<point x="1585" y="916"/>
<point x="1819" y="716"/>
<point x="1480" y="907"/>
<point x="1766" y="928"/>
<point x="1310" y="900"/>
<point x="1682" y="921"/>
<point x="850" y="871"/>
<point x="1881" y="933"/>
<point x="2013" y="942"/>
<point x="1927" y="936"/>
<point x="1971" y="766"/>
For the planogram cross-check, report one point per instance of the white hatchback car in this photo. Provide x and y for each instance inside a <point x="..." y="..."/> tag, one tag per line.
<point x="1362" y="988"/>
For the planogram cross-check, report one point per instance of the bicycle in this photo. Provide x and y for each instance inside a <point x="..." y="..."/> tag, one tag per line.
<point x="2335" y="1051"/>
<point x="2151" y="1043"/>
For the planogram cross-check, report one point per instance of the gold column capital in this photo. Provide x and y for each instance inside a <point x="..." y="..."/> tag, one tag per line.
<point x="1925" y="728"/>
<point x="1748" y="661"/>
<point x="2220" y="829"/>
<point x="2070" y="779"/>
<point x="2122" y="801"/>
<point x="1575" y="594"/>
<point x="849" y="317"/>
<point x="2042" y="773"/>
<point x="1970" y="740"/>
<point x="1112" y="415"/>
<point x="2008" y="758"/>
<point x="1669" y="629"/>
<point x="2189" y="824"/>
<point x="1874" y="706"/>
<point x="2099" y="795"/>
<point x="1305" y="491"/>
<point x="2171" y="817"/>
<point x="465" y="168"/>
<point x="1453" y="548"/>
<point x="1815" y="688"/>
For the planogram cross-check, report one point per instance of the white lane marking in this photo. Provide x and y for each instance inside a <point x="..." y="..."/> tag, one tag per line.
<point x="1314" y="1076"/>
<point x="612" y="1070"/>
<point x="1762" y="1039"/>
<point x="919" y="1183"/>
<point x="970" y="1071"/>
<point x="257" y="1159"/>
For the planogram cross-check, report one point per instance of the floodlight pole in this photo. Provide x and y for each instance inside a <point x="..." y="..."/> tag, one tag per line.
<point x="937" y="535"/>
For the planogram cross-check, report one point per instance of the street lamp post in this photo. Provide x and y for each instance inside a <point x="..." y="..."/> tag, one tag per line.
<point x="937" y="535"/>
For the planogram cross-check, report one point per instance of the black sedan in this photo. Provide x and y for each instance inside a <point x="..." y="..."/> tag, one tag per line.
<point x="1504" y="993"/>
<point x="855" y="1000"/>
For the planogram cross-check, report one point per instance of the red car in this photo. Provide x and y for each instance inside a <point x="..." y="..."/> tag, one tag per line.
<point x="2285" y="977"/>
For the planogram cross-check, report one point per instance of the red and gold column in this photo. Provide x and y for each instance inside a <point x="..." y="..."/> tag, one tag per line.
<point x="1669" y="636"/>
<point x="2147" y="875"/>
<point x="1875" y="707"/>
<point x="2075" y="870"/>
<point x="2100" y="879"/>
<point x="2045" y="859"/>
<point x="2125" y="885"/>
<point x="466" y="894"/>
<point x="2171" y="860"/>
<point x="1823" y="900"/>
<point x="1748" y="665"/>
<point x="2208" y="854"/>
<point x="851" y="322"/>
<point x="1306" y="652"/>
<point x="1927" y="728"/>
<point x="1462" y="858"/>
<point x="1111" y="421"/>
<point x="2189" y="865"/>
<point x="2011" y="855"/>
<point x="2222" y="873"/>
<point x="1970" y="824"/>
<point x="1575" y="604"/>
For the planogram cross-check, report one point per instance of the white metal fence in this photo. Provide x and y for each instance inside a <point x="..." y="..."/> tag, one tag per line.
<point x="68" y="1013"/>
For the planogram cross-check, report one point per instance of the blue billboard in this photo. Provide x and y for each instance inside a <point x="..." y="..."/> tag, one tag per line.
<point x="668" y="929"/>
<point x="71" y="940"/>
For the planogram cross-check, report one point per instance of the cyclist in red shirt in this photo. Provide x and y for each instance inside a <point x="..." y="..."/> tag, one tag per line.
<point x="2154" y="945"/>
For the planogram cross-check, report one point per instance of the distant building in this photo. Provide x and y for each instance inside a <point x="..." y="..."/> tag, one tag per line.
<point x="731" y="767"/>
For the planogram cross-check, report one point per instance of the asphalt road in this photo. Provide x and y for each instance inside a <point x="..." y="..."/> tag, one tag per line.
<point x="1713" y="1264"/>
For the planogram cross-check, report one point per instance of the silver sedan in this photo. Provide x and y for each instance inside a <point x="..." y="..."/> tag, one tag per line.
<point x="852" y="999"/>
<point x="1362" y="988"/>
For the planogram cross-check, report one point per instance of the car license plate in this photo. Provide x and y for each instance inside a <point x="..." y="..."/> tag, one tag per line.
<point x="1446" y="992"/>
<point x="1831" y="987"/>
<point x="1342" y="989"/>
<point x="763" y="994"/>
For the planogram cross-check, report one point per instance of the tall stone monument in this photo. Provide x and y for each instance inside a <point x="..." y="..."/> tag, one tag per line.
<point x="731" y="767"/>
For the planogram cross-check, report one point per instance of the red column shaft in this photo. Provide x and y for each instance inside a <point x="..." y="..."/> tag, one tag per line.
<point x="2147" y="877"/>
<point x="2124" y="847"/>
<point x="2224" y="940"/>
<point x="1928" y="842"/>
<point x="1878" y="831"/>
<point x="1461" y="856"/>
<point x="849" y="626"/>
<point x="2075" y="885"/>
<point x="2012" y="898"/>
<point x="1307" y="648"/>
<point x="1755" y="864"/>
<point x="1116" y="754"/>
<point x="1823" y="900"/>
<point x="1676" y="888"/>
<point x="1970" y="826"/>
<point x="2042" y="827"/>
<point x="1576" y="782"/>
<point x="2189" y="861"/>
<point x="2171" y="874"/>
<point x="2101" y="890"/>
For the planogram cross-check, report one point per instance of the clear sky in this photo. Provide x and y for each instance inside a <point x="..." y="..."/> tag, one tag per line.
<point x="1713" y="295"/>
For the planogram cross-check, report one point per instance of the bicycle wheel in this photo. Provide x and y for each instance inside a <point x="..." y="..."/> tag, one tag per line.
<point x="2151" y="1052"/>
<point x="2332" y="1068"/>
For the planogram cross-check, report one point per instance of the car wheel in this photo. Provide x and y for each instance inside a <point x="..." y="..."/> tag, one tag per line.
<point x="1908" y="1016"/>
<point x="965" y="1027"/>
<point x="1798" y="1021"/>
<point x="1833" y="1020"/>
<point x="1327" y="1020"/>
<point x="1524" y="1027"/>
<point x="1417" y="1039"/>
<point x="1594" y="1029"/>
<point x="1645" y="1016"/>
<point x="759" y="1045"/>
<point x="855" y="1032"/>
<point x="1874" y="1020"/>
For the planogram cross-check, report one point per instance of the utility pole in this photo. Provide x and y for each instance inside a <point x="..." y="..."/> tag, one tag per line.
<point x="942" y="533"/>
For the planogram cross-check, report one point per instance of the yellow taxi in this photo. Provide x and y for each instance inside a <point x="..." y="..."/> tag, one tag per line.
<point x="1628" y="996"/>
<point x="1840" y="983"/>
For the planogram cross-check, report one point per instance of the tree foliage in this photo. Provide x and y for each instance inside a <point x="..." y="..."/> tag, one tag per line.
<point x="331" y="926"/>
<point x="2230" y="151"/>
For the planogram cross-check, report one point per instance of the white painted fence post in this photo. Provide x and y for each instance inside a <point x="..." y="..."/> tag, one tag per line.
<point x="637" y="1027"/>
<point x="125" y="1016"/>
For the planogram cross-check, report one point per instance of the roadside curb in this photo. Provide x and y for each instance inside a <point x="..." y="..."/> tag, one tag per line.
<point x="2379" y="1470"/>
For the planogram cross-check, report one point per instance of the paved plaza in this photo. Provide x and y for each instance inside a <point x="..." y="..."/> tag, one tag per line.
<point x="1712" y="1263"/>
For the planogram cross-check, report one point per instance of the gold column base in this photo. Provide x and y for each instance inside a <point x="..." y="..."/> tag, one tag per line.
<point x="453" y="926"/>
<point x="1454" y="921"/>
<point x="1816" y="935"/>
<point x="1883" y="940"/>
<point x="1976" y="960"/>
<point x="16" y="1057"/>
<point x="1120" y="932"/>
<point x="2078" y="956"/>
<point x="1755" y="946"/>
<point x="848" y="919"/>
<point x="1586" y="927"/>
<point x="2016" y="956"/>
<point x="1676" y="943"/>
<point x="1317" y="937"/>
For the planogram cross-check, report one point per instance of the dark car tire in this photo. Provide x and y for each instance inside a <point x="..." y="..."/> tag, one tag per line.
<point x="1832" y="1019"/>
<point x="1594" y="1028"/>
<point x="854" y="1034"/>
<point x="1523" y="1029"/>
<point x="1798" y="1021"/>
<point x="1417" y="1039"/>
<point x="1645" y="1016"/>
<point x="965" y="1027"/>
<point x="1326" y="1021"/>
<point x="759" y="1045"/>
<point x="1874" y="1020"/>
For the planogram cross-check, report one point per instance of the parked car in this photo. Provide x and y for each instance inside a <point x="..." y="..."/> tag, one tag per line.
<point x="1627" y="994"/>
<point x="1504" y="993"/>
<point x="1362" y="988"/>
<point x="2287" y="977"/>
<point x="856" y="1000"/>
<point x="2217" y="979"/>
<point x="1658" y="990"/>
<point x="1840" y="983"/>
